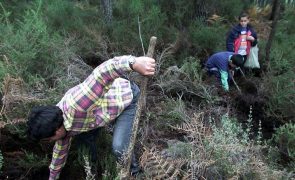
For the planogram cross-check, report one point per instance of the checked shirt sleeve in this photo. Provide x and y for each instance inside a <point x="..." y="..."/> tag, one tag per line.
<point x="107" y="72"/>
<point x="59" y="156"/>
<point x="97" y="84"/>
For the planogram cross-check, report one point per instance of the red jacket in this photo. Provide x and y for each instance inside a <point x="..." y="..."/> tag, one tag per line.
<point x="233" y="39"/>
<point x="237" y="43"/>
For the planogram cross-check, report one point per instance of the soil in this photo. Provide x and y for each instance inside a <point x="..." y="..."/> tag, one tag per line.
<point x="252" y="98"/>
<point x="14" y="150"/>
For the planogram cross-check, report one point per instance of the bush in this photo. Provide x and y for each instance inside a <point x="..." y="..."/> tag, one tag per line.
<point x="230" y="9"/>
<point x="29" y="47"/>
<point x="173" y="112"/>
<point x="192" y="67"/>
<point x="284" y="138"/>
<point x="178" y="149"/>
<point x="151" y="22"/>
<point x="32" y="161"/>
<point x="279" y="82"/>
<point x="235" y="154"/>
<point x="211" y="38"/>
<point x="281" y="100"/>
<point x="68" y="16"/>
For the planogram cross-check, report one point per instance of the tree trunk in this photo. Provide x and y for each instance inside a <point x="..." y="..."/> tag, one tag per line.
<point x="201" y="11"/>
<point x="275" y="13"/>
<point x="107" y="7"/>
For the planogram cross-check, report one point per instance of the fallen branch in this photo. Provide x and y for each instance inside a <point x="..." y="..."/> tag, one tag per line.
<point x="124" y="174"/>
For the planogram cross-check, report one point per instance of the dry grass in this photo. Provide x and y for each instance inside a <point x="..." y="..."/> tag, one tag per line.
<point x="258" y="20"/>
<point x="14" y="93"/>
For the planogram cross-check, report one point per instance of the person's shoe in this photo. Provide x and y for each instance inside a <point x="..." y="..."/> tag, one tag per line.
<point x="135" y="169"/>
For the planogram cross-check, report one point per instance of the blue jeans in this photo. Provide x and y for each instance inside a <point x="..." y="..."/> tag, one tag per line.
<point x="123" y="125"/>
<point x="122" y="130"/>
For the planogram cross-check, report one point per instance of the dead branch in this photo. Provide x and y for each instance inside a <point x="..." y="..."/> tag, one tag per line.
<point x="124" y="174"/>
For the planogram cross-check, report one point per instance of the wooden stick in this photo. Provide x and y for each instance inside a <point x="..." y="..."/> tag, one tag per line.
<point x="236" y="85"/>
<point x="232" y="77"/>
<point x="125" y="171"/>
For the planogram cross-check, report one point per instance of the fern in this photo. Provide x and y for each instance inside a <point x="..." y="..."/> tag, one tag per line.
<point x="158" y="167"/>
<point x="195" y="129"/>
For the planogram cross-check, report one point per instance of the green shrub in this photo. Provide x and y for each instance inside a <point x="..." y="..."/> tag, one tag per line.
<point x="192" y="67"/>
<point x="19" y="130"/>
<point x="279" y="82"/>
<point x="211" y="38"/>
<point x="281" y="100"/>
<point x="183" y="12"/>
<point x="230" y="9"/>
<point x="173" y="112"/>
<point x="178" y="149"/>
<point x="289" y="20"/>
<point x="32" y="161"/>
<point x="110" y="168"/>
<point x="151" y="22"/>
<point x="284" y="138"/>
<point x="30" y="48"/>
<point x="231" y="149"/>
<point x="66" y="16"/>
<point x="273" y="156"/>
<point x="107" y="160"/>
<point x="78" y="21"/>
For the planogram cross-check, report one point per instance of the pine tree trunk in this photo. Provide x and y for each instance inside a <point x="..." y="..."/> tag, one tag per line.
<point x="200" y="9"/>
<point x="275" y="13"/>
<point x="107" y="7"/>
<point x="274" y="9"/>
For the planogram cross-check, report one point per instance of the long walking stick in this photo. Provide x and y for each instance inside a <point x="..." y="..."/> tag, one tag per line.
<point x="125" y="171"/>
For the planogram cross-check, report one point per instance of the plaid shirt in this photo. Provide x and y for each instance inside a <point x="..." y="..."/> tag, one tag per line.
<point x="98" y="100"/>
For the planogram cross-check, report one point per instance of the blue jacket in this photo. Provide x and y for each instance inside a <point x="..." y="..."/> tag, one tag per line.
<point x="235" y="34"/>
<point x="220" y="62"/>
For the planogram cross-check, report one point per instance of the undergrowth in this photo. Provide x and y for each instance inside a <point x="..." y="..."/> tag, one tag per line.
<point x="44" y="45"/>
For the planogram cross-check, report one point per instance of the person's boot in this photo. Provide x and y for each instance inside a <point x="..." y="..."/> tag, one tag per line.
<point x="134" y="167"/>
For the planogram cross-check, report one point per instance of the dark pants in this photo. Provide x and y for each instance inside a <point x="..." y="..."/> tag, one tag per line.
<point x="122" y="131"/>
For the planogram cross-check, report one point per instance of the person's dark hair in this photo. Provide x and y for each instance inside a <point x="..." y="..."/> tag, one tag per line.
<point x="43" y="121"/>
<point x="243" y="14"/>
<point x="237" y="60"/>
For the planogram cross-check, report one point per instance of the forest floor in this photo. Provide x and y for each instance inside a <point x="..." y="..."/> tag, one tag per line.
<point x="18" y="152"/>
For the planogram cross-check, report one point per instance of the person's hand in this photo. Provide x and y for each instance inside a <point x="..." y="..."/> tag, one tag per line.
<point x="250" y="38"/>
<point x="232" y="72"/>
<point x="144" y="65"/>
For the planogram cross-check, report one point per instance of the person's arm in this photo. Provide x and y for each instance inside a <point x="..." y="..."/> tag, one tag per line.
<point x="119" y="66"/>
<point x="224" y="80"/>
<point x="59" y="157"/>
<point x="252" y="37"/>
<point x="230" y="41"/>
<point x="99" y="81"/>
<point x="254" y="43"/>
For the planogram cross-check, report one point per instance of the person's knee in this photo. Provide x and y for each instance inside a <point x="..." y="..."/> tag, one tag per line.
<point x="118" y="148"/>
<point x="135" y="91"/>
